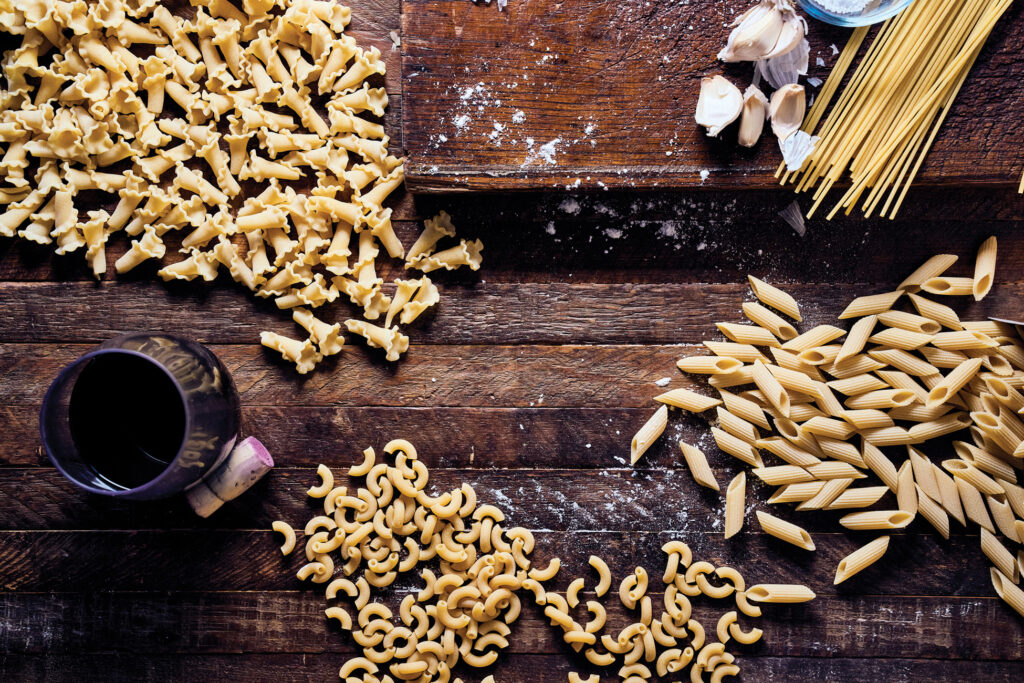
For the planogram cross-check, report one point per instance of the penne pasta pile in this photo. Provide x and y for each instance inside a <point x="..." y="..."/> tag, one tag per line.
<point x="242" y="133"/>
<point x="834" y="407"/>
<point x="390" y="525"/>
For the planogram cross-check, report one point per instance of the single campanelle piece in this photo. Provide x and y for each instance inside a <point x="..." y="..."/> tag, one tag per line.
<point x="786" y="531"/>
<point x="648" y="434"/>
<point x="861" y="559"/>
<point x="775" y="297"/>
<point x="735" y="504"/>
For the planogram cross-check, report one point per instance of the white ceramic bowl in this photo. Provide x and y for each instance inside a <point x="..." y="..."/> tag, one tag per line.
<point x="875" y="11"/>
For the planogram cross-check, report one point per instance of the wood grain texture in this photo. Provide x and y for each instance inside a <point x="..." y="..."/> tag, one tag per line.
<point x="607" y="92"/>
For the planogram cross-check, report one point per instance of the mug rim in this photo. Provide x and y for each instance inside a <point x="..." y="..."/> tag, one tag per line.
<point x="152" y="483"/>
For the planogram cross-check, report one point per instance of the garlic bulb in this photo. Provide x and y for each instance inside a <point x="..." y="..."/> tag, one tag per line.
<point x="787" y="109"/>
<point x="755" y="112"/>
<point x="720" y="103"/>
<point x="768" y="29"/>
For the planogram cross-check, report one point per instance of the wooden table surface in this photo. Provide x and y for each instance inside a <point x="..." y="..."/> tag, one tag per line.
<point x="527" y="383"/>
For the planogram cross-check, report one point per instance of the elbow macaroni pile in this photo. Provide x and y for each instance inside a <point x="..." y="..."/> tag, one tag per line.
<point x="890" y="368"/>
<point x="464" y="611"/>
<point x="240" y="130"/>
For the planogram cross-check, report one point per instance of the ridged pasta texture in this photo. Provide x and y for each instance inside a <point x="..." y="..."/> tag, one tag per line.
<point x="909" y="372"/>
<point x="244" y="138"/>
<point x="382" y="523"/>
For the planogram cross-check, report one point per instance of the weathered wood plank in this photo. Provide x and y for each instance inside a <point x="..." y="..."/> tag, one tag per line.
<point x="482" y="313"/>
<point x="293" y="622"/>
<point x="561" y="500"/>
<point x="437" y="376"/>
<point x="611" y="89"/>
<point x="659" y="237"/>
<point x="114" y="668"/>
<point x="218" y="560"/>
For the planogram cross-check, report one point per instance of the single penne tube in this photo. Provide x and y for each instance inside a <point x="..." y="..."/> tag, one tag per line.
<point x="791" y="361"/>
<point x="858" y="384"/>
<point x="735" y="504"/>
<point x="940" y="313"/>
<point x="793" y="380"/>
<point x="745" y="353"/>
<point x="816" y="336"/>
<point x="1014" y="496"/>
<point x="835" y="470"/>
<point x="941" y="358"/>
<point x="648" y="434"/>
<point x="801" y="412"/>
<point x="737" y="426"/>
<point x="839" y="449"/>
<point x="771" y="388"/>
<point x="902" y="360"/>
<point x="993" y="328"/>
<point x="986" y="462"/>
<point x="796" y="493"/>
<point x="1007" y="591"/>
<point x="995" y="363"/>
<point x="775" y="297"/>
<point x="949" y="286"/>
<point x="867" y="419"/>
<point x="919" y="413"/>
<point x="784" y="593"/>
<point x="782" y="475"/>
<point x="858" y="498"/>
<point x="832" y="428"/>
<point x="861" y="559"/>
<point x="687" y="400"/>
<point x="995" y="431"/>
<point x="888" y="436"/>
<point x="933" y="429"/>
<point x="871" y="305"/>
<point x="832" y="489"/>
<point x="1007" y="395"/>
<point x="854" y="365"/>
<point x="698" y="464"/>
<point x="999" y="556"/>
<point x="785" y="531"/>
<point x="910" y="322"/>
<point x="960" y="340"/>
<point x="974" y="505"/>
<point x="933" y="512"/>
<point x="877" y="519"/>
<point x="747" y="334"/>
<point x="709" y="365"/>
<point x="828" y="401"/>
<point x="949" y="495"/>
<point x="896" y="338"/>
<point x="1002" y="515"/>
<point x="769" y="320"/>
<point x="744" y="375"/>
<point x="973" y="476"/>
<point x="933" y="267"/>
<point x="798" y="435"/>
<point x="857" y="338"/>
<point x="901" y="380"/>
<point x="820" y="355"/>
<point x="906" y="493"/>
<point x="881" y="399"/>
<point x="1012" y="352"/>
<point x="744" y="408"/>
<point x="788" y="451"/>
<point x="924" y="474"/>
<point x="881" y="465"/>
<point x="984" y="269"/>
<point x="736" y="447"/>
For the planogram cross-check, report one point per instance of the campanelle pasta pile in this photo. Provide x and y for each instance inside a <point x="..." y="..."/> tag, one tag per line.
<point x="905" y="382"/>
<point x="239" y="131"/>
<point x="478" y="570"/>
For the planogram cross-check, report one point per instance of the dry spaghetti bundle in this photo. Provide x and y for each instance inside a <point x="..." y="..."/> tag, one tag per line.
<point x="885" y="121"/>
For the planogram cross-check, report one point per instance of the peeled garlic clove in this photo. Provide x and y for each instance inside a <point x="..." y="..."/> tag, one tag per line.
<point x="720" y="103"/>
<point x="756" y="34"/>
<point x="787" y="109"/>
<point x="794" y="29"/>
<point x="755" y="111"/>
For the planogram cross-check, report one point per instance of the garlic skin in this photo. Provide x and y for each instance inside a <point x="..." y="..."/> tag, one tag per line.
<point x="720" y="103"/>
<point x="755" y="113"/>
<point x="770" y="28"/>
<point x="787" y="109"/>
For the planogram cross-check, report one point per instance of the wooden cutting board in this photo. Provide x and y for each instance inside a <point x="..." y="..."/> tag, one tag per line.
<point x="601" y="93"/>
